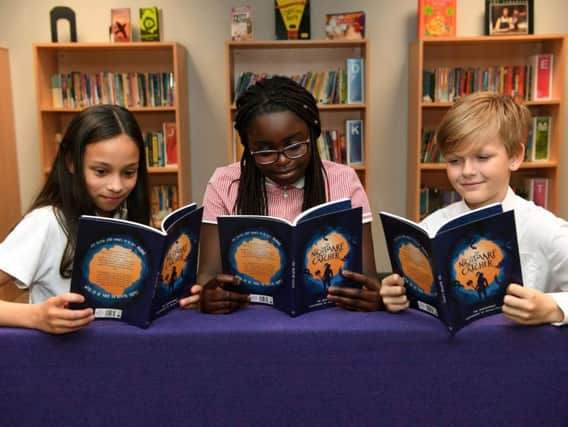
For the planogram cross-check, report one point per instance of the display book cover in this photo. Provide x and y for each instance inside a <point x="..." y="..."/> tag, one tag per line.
<point x="460" y="272"/>
<point x="290" y="265"/>
<point x="134" y="272"/>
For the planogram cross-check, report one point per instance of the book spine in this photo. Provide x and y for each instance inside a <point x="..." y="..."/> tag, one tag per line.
<point x="354" y="135"/>
<point x="542" y="76"/>
<point x="355" y="80"/>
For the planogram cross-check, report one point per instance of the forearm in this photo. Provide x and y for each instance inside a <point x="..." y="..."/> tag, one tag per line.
<point x="18" y="315"/>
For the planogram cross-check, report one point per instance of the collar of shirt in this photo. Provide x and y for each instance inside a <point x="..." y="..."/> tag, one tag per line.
<point x="299" y="184"/>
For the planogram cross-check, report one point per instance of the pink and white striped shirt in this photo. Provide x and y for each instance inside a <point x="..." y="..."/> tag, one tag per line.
<point x="283" y="202"/>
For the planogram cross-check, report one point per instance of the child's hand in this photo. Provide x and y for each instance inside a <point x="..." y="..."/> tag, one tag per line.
<point x="216" y="300"/>
<point x="54" y="316"/>
<point x="530" y="307"/>
<point x="366" y="298"/>
<point x="393" y="293"/>
<point x="192" y="301"/>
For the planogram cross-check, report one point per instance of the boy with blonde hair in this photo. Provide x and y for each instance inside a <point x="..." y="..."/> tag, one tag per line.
<point x="482" y="140"/>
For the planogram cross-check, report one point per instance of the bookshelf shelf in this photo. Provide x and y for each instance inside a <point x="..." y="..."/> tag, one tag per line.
<point x="484" y="51"/>
<point x="292" y="57"/>
<point x="91" y="58"/>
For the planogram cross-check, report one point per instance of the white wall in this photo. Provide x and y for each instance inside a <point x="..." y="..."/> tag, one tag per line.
<point x="203" y="27"/>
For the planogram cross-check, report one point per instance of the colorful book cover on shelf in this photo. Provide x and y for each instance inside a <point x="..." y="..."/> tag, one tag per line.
<point x="149" y="24"/>
<point x="241" y="23"/>
<point x="436" y="18"/>
<point x="292" y="19"/>
<point x="542" y="66"/>
<point x="541" y="138"/>
<point x="536" y="189"/>
<point x="170" y="140"/>
<point x="290" y="265"/>
<point x="355" y="138"/>
<point x="121" y="29"/>
<point x="460" y="272"/>
<point x="355" y="80"/>
<point x="345" y="25"/>
<point x="134" y="272"/>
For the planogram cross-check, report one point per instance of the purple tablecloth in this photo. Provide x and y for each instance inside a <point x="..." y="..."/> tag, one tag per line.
<point x="259" y="366"/>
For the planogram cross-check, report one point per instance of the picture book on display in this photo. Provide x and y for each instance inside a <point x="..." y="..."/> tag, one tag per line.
<point x="459" y="273"/>
<point x="292" y="19"/>
<point x="241" y="23"/>
<point x="149" y="24"/>
<point x="120" y="28"/>
<point x="345" y="26"/>
<point x="290" y="265"/>
<point x="436" y="18"/>
<point x="134" y="272"/>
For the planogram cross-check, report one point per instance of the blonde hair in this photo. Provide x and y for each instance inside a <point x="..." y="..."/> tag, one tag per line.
<point x="482" y="115"/>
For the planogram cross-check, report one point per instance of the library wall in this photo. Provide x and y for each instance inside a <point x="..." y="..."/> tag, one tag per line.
<point x="391" y="26"/>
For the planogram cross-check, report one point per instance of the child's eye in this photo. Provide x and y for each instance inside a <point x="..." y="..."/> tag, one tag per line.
<point x="452" y="161"/>
<point x="484" y="157"/>
<point x="130" y="174"/>
<point x="100" y="172"/>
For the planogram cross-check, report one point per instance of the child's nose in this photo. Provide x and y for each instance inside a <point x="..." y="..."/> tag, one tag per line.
<point x="114" y="183"/>
<point x="469" y="167"/>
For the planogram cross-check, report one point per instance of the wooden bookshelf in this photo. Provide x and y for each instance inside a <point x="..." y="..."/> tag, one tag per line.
<point x="290" y="57"/>
<point x="147" y="57"/>
<point x="483" y="51"/>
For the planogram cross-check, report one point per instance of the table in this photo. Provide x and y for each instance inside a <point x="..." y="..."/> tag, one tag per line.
<point x="261" y="367"/>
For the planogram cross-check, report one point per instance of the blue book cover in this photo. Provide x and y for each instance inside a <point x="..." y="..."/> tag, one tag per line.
<point x="133" y="272"/>
<point x="355" y="138"/>
<point x="290" y="265"/>
<point x="355" y="80"/>
<point x="461" y="272"/>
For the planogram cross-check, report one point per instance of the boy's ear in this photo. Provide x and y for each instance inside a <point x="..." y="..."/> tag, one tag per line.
<point x="517" y="158"/>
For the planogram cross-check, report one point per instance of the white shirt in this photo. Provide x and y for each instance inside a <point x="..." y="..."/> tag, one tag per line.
<point x="543" y="245"/>
<point x="32" y="253"/>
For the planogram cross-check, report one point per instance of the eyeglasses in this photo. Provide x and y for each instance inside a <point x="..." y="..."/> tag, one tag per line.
<point x="292" y="151"/>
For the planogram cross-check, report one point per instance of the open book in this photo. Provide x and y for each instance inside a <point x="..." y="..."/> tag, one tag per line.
<point x="460" y="272"/>
<point x="134" y="272"/>
<point x="290" y="265"/>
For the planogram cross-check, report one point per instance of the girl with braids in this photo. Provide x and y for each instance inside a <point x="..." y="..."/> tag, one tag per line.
<point x="280" y="174"/>
<point x="99" y="169"/>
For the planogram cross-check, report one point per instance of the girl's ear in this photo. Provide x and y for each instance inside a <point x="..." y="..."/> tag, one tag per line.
<point x="517" y="158"/>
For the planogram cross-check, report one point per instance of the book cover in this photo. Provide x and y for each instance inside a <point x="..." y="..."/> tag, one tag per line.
<point x="541" y="138"/>
<point x="355" y="80"/>
<point x="355" y="138"/>
<point x="292" y="19"/>
<point x="290" y="265"/>
<point x="542" y="66"/>
<point x="345" y="26"/>
<point x="170" y="142"/>
<point x="133" y="272"/>
<point x="436" y="18"/>
<point x="459" y="273"/>
<point x="149" y="24"/>
<point x="120" y="25"/>
<point x="536" y="189"/>
<point x="241" y="23"/>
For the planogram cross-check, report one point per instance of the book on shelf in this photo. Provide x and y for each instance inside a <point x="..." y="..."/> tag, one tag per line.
<point x="434" y="198"/>
<point x="540" y="139"/>
<point x="149" y="24"/>
<point x="133" y="272"/>
<point x="345" y="25"/>
<point x="292" y="19"/>
<point x="291" y="264"/>
<point x="241" y="23"/>
<point x="436" y="18"/>
<point x="354" y="141"/>
<point x="355" y="80"/>
<point x="170" y="142"/>
<point x="164" y="200"/>
<point x="536" y="189"/>
<point x="460" y="272"/>
<point x="120" y="27"/>
<point x="542" y="69"/>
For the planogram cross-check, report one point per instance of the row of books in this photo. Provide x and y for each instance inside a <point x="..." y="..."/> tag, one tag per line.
<point x="343" y="147"/>
<point x="79" y="90"/>
<point x="433" y="198"/>
<point x="342" y="86"/>
<point x="537" y="147"/>
<point x="526" y="82"/>
<point x="161" y="146"/>
<point x="163" y="200"/>
<point x="535" y="189"/>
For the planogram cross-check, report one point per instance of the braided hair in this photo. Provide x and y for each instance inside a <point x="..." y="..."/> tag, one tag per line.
<point x="272" y="95"/>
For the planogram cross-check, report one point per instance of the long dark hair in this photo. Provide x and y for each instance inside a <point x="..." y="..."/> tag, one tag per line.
<point x="276" y="94"/>
<point x="67" y="192"/>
